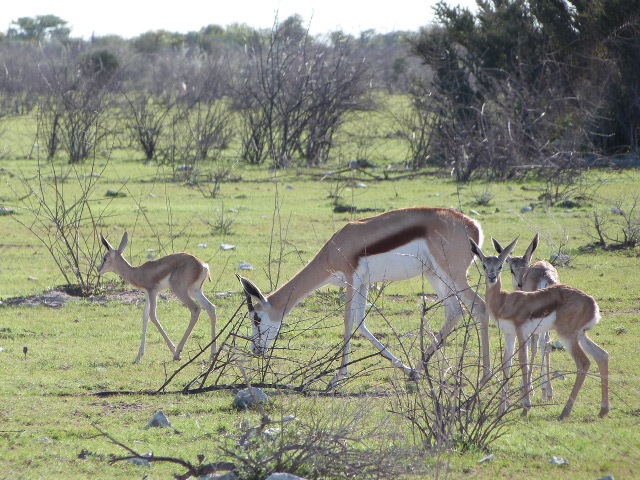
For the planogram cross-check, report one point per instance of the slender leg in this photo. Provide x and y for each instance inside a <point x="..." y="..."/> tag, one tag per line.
<point x="153" y="297"/>
<point x="545" y="370"/>
<point x="211" y="311"/>
<point x="582" y="367"/>
<point x="509" y="350"/>
<point x="523" y="354"/>
<point x="348" y="328"/>
<point x="361" y="304"/>
<point x="477" y="306"/>
<point x="602" y="359"/>
<point x="195" y="310"/>
<point x="145" y="319"/>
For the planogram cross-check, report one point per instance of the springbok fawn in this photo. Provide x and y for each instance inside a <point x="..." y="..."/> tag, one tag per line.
<point x="528" y="277"/>
<point x="184" y="274"/>
<point x="564" y="309"/>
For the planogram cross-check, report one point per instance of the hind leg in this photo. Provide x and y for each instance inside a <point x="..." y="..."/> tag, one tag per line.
<point x="601" y="357"/>
<point x="211" y="311"/>
<point x="195" y="309"/>
<point x="582" y="367"/>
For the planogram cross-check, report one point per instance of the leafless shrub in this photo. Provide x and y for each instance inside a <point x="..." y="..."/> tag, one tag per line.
<point x="448" y="408"/>
<point x="61" y="213"/>
<point x="617" y="226"/>
<point x="334" y="444"/>
<point x="146" y="120"/>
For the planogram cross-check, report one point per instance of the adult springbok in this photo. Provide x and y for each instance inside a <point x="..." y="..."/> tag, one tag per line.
<point x="568" y="311"/>
<point x="529" y="276"/>
<point x="395" y="245"/>
<point x="183" y="273"/>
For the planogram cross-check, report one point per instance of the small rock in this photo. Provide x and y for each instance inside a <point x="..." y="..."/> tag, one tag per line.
<point x="289" y="187"/>
<point x="488" y="458"/>
<point x="242" y="265"/>
<point x="616" y="210"/>
<point x="607" y="477"/>
<point x="283" y="476"/>
<point x="558" y="461"/>
<point x="159" y="420"/>
<point x="143" y="462"/>
<point x="473" y="212"/>
<point x="557" y="345"/>
<point x="215" y="476"/>
<point x="32" y="278"/>
<point x="526" y="209"/>
<point x="361" y="185"/>
<point x="620" y="330"/>
<point x="202" y="245"/>
<point x="568" y="204"/>
<point x="247" y="398"/>
<point x="115" y="194"/>
<point x="6" y="211"/>
<point x="226" y="246"/>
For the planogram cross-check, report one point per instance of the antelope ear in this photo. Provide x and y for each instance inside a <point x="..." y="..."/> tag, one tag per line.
<point x="123" y="243"/>
<point x="532" y="247"/>
<point x="507" y="251"/>
<point x="251" y="290"/>
<point x="105" y="243"/>
<point x="476" y="249"/>
<point x="497" y="245"/>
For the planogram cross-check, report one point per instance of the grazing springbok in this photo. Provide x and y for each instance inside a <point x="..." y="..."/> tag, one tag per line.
<point x="184" y="274"/>
<point x="564" y="309"/>
<point x="529" y="276"/>
<point x="395" y="245"/>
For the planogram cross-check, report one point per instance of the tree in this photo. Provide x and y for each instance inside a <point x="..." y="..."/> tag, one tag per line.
<point x="38" y="29"/>
<point x="295" y="93"/>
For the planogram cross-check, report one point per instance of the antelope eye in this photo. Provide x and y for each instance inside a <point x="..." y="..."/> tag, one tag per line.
<point x="256" y="320"/>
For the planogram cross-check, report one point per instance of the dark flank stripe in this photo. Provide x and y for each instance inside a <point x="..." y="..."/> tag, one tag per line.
<point x="391" y="242"/>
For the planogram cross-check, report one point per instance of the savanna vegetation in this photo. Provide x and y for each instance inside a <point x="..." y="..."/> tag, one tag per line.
<point x="524" y="116"/>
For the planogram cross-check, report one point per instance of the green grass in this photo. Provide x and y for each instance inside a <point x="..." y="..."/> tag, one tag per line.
<point x="49" y="413"/>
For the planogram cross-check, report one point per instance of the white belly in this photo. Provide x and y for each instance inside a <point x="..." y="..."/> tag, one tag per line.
<point x="402" y="263"/>
<point x="533" y="325"/>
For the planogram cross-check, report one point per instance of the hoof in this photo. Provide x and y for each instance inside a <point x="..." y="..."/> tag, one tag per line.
<point x="338" y="378"/>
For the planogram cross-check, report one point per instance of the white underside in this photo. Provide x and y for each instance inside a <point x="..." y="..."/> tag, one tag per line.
<point x="532" y="326"/>
<point x="405" y="262"/>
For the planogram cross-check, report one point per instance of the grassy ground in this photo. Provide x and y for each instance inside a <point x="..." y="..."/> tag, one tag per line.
<point x="50" y="412"/>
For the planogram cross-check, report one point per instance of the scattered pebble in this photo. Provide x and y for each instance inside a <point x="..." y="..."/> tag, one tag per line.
<point x="247" y="398"/>
<point x="488" y="458"/>
<point x="226" y="246"/>
<point x="159" y="420"/>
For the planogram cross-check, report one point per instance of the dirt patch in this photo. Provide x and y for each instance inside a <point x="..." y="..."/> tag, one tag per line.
<point x="58" y="297"/>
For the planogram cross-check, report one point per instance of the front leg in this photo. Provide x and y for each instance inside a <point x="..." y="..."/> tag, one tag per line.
<point x="509" y="350"/>
<point x="523" y="358"/>
<point x="145" y="319"/>
<point x="348" y="328"/>
<point x="153" y="298"/>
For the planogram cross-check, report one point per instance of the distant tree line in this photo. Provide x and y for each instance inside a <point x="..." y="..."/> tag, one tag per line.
<point x="516" y="86"/>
